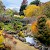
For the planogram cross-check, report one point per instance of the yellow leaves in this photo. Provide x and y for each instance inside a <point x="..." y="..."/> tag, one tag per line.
<point x="21" y="16"/>
<point x="1" y="38"/>
<point x="31" y="10"/>
<point x="34" y="27"/>
<point x="48" y="23"/>
<point x="21" y="34"/>
<point x="1" y="31"/>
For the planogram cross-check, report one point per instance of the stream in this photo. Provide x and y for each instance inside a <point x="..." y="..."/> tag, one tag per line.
<point x="30" y="40"/>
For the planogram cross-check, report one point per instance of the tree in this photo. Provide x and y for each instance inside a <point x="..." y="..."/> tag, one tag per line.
<point x="2" y="8"/>
<point x="46" y="9"/>
<point x="48" y="25"/>
<point x="43" y="34"/>
<point x="21" y="9"/>
<point x="36" y="2"/>
<point x="32" y="10"/>
<point x="15" y="12"/>
<point x="9" y="12"/>
<point x="23" y="6"/>
<point x="34" y="27"/>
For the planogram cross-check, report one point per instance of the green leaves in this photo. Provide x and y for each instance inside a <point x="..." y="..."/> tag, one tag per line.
<point x="2" y="7"/>
<point x="43" y="35"/>
<point x="8" y="27"/>
<point x="46" y="9"/>
<point x="21" y="9"/>
<point x="9" y="12"/>
<point x="36" y="2"/>
<point x="1" y="25"/>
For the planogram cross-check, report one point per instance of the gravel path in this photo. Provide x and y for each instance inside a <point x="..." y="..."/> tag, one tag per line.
<point x="16" y="44"/>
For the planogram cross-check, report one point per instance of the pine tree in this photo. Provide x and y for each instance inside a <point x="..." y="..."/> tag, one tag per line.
<point x="21" y="9"/>
<point x="23" y="6"/>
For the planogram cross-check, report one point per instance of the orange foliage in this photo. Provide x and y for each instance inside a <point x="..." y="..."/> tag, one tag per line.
<point x="48" y="23"/>
<point x="34" y="27"/>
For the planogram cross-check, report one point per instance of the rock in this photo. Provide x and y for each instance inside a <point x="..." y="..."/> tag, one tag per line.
<point x="48" y="48"/>
<point x="22" y="39"/>
<point x="45" y="48"/>
<point x="31" y="44"/>
<point x="37" y="47"/>
<point x="15" y="36"/>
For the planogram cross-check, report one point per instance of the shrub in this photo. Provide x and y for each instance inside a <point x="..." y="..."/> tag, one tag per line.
<point x="43" y="34"/>
<point x="34" y="27"/>
<point x="21" y="34"/>
<point x="32" y="10"/>
<point x="1" y="25"/>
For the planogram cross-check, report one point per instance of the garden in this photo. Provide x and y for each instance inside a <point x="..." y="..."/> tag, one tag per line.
<point x="28" y="29"/>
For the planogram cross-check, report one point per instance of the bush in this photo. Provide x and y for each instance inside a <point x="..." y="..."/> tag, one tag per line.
<point x="8" y="27"/>
<point x="21" y="34"/>
<point x="17" y="25"/>
<point x="46" y="9"/>
<point x="43" y="34"/>
<point x="1" y="25"/>
<point x="34" y="27"/>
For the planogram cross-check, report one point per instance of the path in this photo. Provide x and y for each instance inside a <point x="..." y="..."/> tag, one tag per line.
<point x="19" y="46"/>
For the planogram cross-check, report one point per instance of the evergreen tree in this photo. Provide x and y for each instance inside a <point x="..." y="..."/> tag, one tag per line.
<point x="23" y="6"/>
<point x="43" y="35"/>
<point x="21" y="9"/>
<point x="36" y="2"/>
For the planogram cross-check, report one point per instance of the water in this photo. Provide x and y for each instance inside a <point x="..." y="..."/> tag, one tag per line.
<point x="30" y="40"/>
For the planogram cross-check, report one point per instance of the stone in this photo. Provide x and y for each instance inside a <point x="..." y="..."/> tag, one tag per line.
<point x="22" y="39"/>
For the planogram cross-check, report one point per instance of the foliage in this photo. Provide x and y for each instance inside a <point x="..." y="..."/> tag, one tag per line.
<point x="15" y="12"/>
<point x="46" y="9"/>
<point x="48" y="25"/>
<point x="34" y="27"/>
<point x="17" y="25"/>
<point x="21" y="16"/>
<point x="36" y="2"/>
<point x="21" y="9"/>
<point x="1" y="25"/>
<point x="8" y="27"/>
<point x="2" y="7"/>
<point x="43" y="34"/>
<point x="21" y="34"/>
<point x="1" y="39"/>
<point x="9" y="12"/>
<point x="24" y="28"/>
<point x="32" y="10"/>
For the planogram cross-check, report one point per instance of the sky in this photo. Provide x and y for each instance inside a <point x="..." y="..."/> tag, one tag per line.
<point x="16" y="3"/>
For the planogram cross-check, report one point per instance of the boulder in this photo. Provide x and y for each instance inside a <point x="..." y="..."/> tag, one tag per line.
<point x="22" y="39"/>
